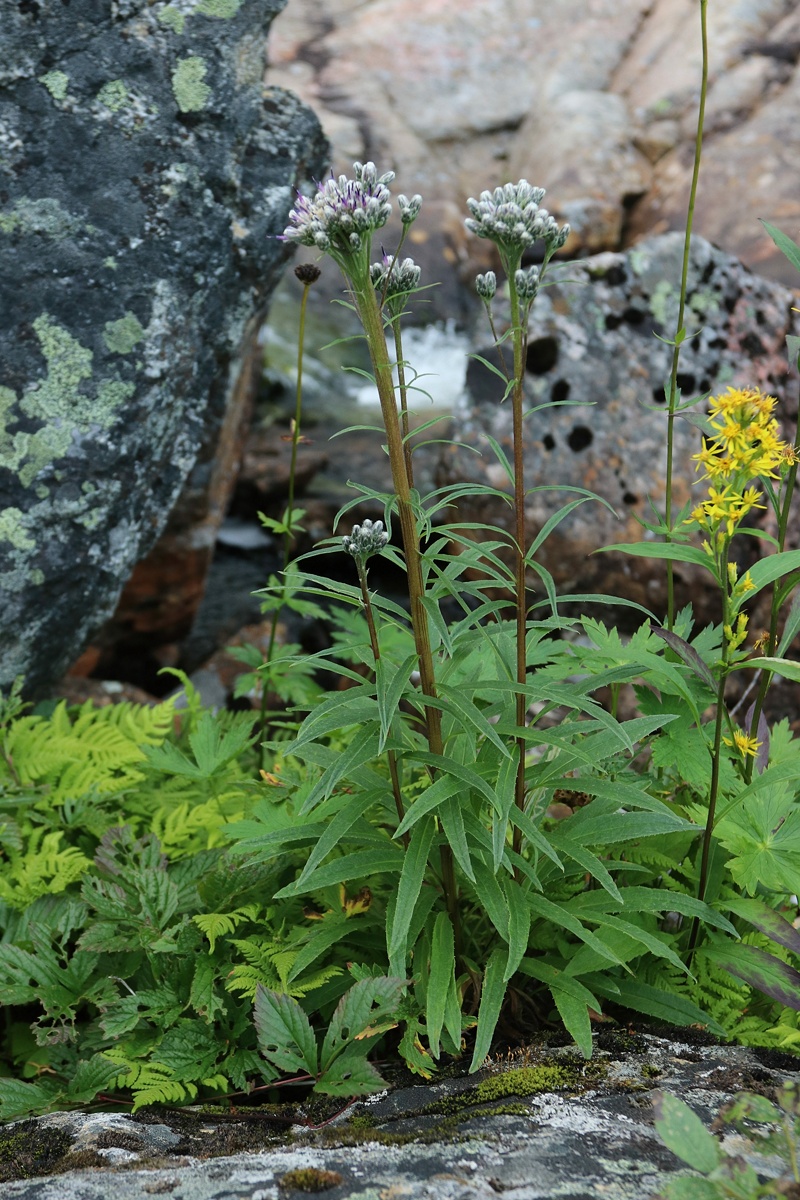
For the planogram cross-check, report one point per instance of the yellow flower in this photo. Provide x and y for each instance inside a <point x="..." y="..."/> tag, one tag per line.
<point x="744" y="743"/>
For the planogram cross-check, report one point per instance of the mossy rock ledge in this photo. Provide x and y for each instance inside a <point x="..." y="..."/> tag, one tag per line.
<point x="145" y="173"/>
<point x="539" y="1125"/>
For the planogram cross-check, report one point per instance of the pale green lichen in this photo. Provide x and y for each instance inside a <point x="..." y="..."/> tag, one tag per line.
<point x="13" y="531"/>
<point x="221" y="9"/>
<point x="45" y="216"/>
<point x="110" y="262"/>
<point x="114" y="95"/>
<point x="187" y="84"/>
<point x="121" y="336"/>
<point x="59" y="401"/>
<point x="172" y="18"/>
<point x="56" y="83"/>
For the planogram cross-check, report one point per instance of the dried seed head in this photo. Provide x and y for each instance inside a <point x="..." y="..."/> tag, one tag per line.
<point x="307" y="273"/>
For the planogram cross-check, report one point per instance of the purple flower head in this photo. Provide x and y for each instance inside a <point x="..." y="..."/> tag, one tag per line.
<point x="341" y="217"/>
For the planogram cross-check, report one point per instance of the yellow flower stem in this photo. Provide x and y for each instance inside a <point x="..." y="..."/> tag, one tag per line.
<point x="772" y="641"/>
<point x="287" y="537"/>
<point x="722" y="565"/>
<point x="676" y="350"/>
<point x="519" y="335"/>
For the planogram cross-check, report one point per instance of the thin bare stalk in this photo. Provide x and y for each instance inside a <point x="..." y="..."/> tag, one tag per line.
<point x="676" y="349"/>
<point x="376" y="653"/>
<point x="308" y="278"/>
<point x="403" y="391"/>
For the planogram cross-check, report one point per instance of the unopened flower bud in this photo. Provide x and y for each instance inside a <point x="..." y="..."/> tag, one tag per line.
<point x="365" y="539"/>
<point x="486" y="285"/>
<point x="409" y="209"/>
<point x="527" y="283"/>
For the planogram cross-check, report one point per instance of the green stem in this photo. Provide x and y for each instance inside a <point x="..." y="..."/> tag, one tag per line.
<point x="715" y="753"/>
<point x="772" y="640"/>
<point x="287" y="537"/>
<point x="401" y="382"/>
<point x="376" y="653"/>
<point x="676" y="349"/>
<point x="520" y="337"/>
<point x="370" y="314"/>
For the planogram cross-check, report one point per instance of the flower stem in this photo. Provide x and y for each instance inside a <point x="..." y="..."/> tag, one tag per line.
<point x="403" y="390"/>
<point x="717" y="747"/>
<point x="676" y="349"/>
<point x="370" y="314"/>
<point x="376" y="653"/>
<point x="287" y="537"/>
<point x="519" y="339"/>
<point x="772" y="640"/>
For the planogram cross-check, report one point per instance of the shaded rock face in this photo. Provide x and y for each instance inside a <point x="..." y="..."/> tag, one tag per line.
<point x="596" y="100"/>
<point x="592" y="347"/>
<point x="144" y="175"/>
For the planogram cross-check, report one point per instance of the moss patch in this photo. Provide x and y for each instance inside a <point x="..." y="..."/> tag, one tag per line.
<point x="27" y="1150"/>
<point x="309" y="1179"/>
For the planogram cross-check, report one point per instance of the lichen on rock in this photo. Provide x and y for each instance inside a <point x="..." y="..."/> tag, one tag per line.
<point x="144" y="179"/>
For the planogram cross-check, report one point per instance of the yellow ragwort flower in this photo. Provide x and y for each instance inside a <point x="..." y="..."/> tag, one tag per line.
<point x="744" y="744"/>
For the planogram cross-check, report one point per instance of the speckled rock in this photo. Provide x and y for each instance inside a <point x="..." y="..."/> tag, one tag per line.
<point x="590" y="1135"/>
<point x="144" y="174"/>
<point x="593" y="343"/>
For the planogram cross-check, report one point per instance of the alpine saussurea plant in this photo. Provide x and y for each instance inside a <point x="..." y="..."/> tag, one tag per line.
<point x="464" y="844"/>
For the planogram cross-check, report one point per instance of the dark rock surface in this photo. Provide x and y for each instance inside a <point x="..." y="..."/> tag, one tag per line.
<point x="144" y="174"/>
<point x="594" y="346"/>
<point x="543" y="1126"/>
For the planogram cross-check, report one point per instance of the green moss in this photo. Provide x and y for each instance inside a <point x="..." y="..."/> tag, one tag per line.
<point x="172" y="18"/>
<point x="222" y="9"/>
<point x="56" y="83"/>
<point x="310" y="1179"/>
<point x="114" y="95"/>
<point x="121" y="336"/>
<point x="187" y="84"/>
<point x="12" y="530"/>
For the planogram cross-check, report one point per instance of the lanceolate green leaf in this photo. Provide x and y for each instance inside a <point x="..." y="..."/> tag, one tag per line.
<point x="450" y="815"/>
<point x="415" y="862"/>
<point x="575" y="1015"/>
<point x="358" y="865"/>
<point x="493" y="993"/>
<point x="335" y="830"/>
<point x="784" y="243"/>
<point x="654" y="1002"/>
<point x="391" y="681"/>
<point x="766" y="920"/>
<point x="362" y="749"/>
<point x="440" y="979"/>
<point x="757" y="968"/>
<point x="675" y="551"/>
<point x="684" y="1134"/>
<point x="766" y="571"/>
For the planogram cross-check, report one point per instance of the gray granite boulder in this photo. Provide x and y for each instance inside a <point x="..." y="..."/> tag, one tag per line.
<point x="596" y="364"/>
<point x="544" y="1125"/>
<point x="145" y="173"/>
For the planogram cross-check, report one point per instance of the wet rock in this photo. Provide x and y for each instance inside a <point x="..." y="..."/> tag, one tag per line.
<point x="597" y="366"/>
<point x="543" y="1124"/>
<point x="144" y="174"/>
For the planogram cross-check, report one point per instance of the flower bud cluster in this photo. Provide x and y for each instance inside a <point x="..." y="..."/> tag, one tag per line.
<point x="403" y="277"/>
<point x="409" y="209"/>
<point x="486" y="285"/>
<point x="510" y="217"/>
<point x="365" y="539"/>
<point x="527" y="284"/>
<point x="342" y="215"/>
